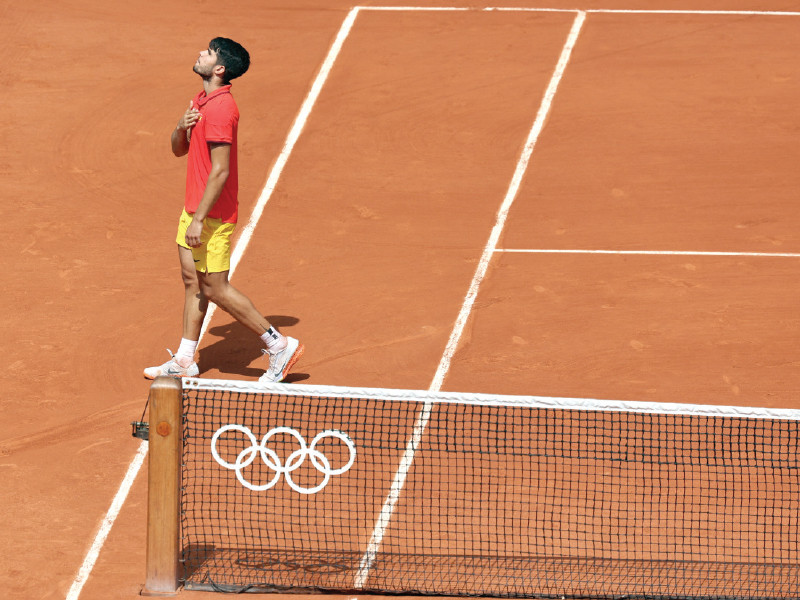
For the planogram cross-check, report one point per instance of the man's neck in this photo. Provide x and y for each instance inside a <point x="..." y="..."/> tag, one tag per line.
<point x="212" y="84"/>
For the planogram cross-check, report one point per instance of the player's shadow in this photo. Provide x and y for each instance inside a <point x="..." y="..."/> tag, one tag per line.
<point x="237" y="347"/>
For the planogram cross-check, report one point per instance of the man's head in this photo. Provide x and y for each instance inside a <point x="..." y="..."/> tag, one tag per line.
<point x="222" y="52"/>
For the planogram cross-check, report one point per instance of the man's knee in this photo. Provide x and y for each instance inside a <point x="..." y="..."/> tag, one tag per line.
<point x="188" y="271"/>
<point x="213" y="288"/>
<point x="189" y="277"/>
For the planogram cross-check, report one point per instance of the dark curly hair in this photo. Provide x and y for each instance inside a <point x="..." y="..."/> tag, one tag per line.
<point x="230" y="55"/>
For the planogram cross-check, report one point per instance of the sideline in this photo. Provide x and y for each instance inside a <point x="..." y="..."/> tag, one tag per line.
<point x="108" y="522"/>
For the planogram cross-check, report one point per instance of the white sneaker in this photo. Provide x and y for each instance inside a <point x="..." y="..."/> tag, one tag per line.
<point x="282" y="361"/>
<point x="171" y="368"/>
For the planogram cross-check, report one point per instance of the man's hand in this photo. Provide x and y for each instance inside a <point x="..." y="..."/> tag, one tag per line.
<point x="189" y="118"/>
<point x="183" y="132"/>
<point x="193" y="233"/>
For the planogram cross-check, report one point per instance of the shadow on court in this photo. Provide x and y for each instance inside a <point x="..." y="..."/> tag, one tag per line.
<point x="237" y="350"/>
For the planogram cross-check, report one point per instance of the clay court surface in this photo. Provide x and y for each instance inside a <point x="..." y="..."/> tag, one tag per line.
<point x="651" y="251"/>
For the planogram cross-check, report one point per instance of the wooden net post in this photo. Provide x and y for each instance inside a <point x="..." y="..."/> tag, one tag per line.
<point x="164" y="481"/>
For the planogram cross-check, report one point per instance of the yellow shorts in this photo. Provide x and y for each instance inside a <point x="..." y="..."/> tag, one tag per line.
<point x="214" y="253"/>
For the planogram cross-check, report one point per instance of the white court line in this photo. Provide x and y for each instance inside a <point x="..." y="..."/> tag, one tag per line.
<point x="590" y="10"/>
<point x="299" y="122"/>
<point x="652" y="252"/>
<point x="462" y="9"/>
<point x="283" y="157"/>
<point x="420" y="8"/>
<point x="444" y="365"/>
<point x="108" y="523"/>
<point x="745" y="13"/>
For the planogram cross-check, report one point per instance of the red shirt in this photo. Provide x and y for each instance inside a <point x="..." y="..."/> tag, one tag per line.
<point x="219" y="123"/>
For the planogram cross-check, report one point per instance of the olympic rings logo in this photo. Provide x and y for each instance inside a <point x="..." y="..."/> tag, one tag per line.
<point x="273" y="461"/>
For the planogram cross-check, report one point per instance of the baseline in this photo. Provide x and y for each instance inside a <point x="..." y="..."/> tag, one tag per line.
<point x="589" y="10"/>
<point x="650" y="252"/>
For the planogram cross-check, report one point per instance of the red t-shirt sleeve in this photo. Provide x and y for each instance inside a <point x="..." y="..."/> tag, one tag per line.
<point x="220" y="121"/>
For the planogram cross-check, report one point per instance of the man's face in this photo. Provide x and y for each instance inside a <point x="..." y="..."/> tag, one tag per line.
<point x="205" y="63"/>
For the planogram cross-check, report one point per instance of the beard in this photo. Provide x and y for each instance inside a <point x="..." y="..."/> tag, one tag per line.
<point x="204" y="73"/>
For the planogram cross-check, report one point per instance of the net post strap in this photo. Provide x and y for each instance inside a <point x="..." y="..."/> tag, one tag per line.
<point x="163" y="503"/>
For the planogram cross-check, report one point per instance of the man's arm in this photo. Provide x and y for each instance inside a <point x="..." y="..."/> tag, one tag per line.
<point x="181" y="133"/>
<point x="220" y="169"/>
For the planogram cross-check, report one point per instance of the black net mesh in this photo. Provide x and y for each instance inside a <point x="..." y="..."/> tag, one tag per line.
<point x="388" y="496"/>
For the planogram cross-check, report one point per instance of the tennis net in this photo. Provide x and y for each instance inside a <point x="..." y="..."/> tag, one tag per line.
<point x="294" y="487"/>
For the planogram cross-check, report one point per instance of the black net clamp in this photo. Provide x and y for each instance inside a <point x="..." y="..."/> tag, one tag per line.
<point x="140" y="429"/>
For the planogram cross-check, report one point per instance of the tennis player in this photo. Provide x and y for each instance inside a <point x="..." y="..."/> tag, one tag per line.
<point x="207" y="132"/>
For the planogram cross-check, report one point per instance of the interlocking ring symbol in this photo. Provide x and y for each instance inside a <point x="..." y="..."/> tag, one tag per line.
<point x="273" y="461"/>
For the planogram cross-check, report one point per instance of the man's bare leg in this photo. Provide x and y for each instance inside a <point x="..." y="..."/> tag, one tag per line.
<point x="283" y="351"/>
<point x="216" y="288"/>
<point x="195" y="305"/>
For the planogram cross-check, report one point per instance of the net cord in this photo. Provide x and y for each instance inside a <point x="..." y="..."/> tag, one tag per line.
<point x="563" y="403"/>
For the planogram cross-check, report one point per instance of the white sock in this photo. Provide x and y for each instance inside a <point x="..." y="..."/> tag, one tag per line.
<point x="273" y="340"/>
<point x="186" y="350"/>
